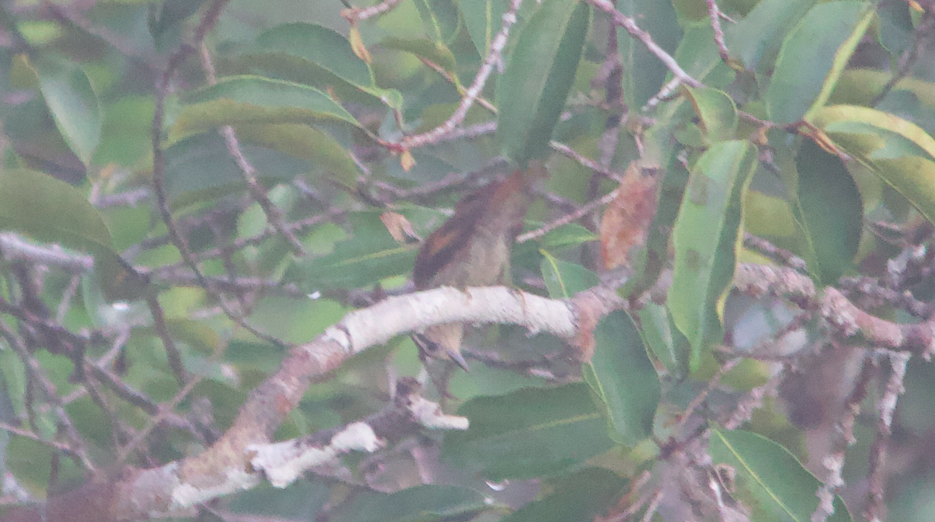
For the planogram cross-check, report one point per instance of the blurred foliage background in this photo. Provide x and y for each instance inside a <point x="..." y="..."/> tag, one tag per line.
<point x="189" y="188"/>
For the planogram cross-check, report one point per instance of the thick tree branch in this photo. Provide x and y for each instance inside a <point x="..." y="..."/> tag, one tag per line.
<point x="244" y="455"/>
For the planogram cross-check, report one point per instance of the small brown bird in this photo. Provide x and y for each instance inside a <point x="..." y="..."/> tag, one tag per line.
<point x="472" y="248"/>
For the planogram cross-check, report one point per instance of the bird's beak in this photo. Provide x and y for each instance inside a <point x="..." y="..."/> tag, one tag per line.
<point x="459" y="360"/>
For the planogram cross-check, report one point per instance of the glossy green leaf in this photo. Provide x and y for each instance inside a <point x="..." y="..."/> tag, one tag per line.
<point x="771" y="217"/>
<point x="831" y="209"/>
<point x="528" y="433"/>
<point x="699" y="59"/>
<point x="483" y="19"/>
<point x="897" y="151"/>
<point x="716" y="111"/>
<point x="812" y="57"/>
<point x="539" y="73"/>
<point x="619" y="373"/>
<point x="657" y="332"/>
<point x="623" y="378"/>
<point x="319" y="45"/>
<point x="564" y="236"/>
<point x="706" y="239"/>
<point x="581" y="496"/>
<point x="440" y="18"/>
<point x="861" y="86"/>
<point x="254" y="99"/>
<point x="324" y="153"/>
<point x="564" y="279"/>
<point x="73" y="104"/>
<point x="757" y="39"/>
<point x="430" y="50"/>
<point x="49" y="210"/>
<point x="201" y="166"/>
<point x="914" y="178"/>
<point x="902" y="137"/>
<point x="42" y="207"/>
<point x="769" y="479"/>
<point x="319" y="56"/>
<point x="416" y="504"/>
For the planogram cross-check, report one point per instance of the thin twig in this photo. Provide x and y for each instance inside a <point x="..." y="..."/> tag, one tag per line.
<point x="568" y="152"/>
<point x="38" y="378"/>
<point x="361" y="14"/>
<point x="876" y="509"/>
<point x="910" y="55"/>
<point x="621" y="20"/>
<point x="173" y="354"/>
<point x="472" y="92"/>
<point x="833" y="462"/>
<point x="570" y="217"/>
<point x="273" y="214"/>
<point x="714" y="13"/>
<point x="159" y="162"/>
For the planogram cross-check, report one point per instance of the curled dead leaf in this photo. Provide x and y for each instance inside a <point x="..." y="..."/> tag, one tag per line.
<point x="399" y="227"/>
<point x="627" y="219"/>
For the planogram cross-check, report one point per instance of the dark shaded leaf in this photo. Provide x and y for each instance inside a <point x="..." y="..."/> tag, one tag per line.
<point x="530" y="432"/>
<point x="769" y="479"/>
<point x="73" y="104"/>
<point x="832" y="211"/>
<point x="538" y="76"/>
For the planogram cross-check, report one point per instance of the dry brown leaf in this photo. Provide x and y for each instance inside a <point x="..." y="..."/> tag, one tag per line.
<point x="626" y="221"/>
<point x="399" y="227"/>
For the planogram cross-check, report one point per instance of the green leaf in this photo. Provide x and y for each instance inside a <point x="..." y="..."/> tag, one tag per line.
<point x="756" y="40"/>
<point x="716" y="111"/>
<point x="564" y="279"/>
<point x="861" y="86"/>
<point x="564" y="236"/>
<point x="657" y="333"/>
<point x="895" y="32"/>
<point x="619" y="373"/>
<point x="431" y="50"/>
<point x="902" y="137"/>
<point x="812" y="58"/>
<point x="317" y="147"/>
<point x="319" y="56"/>
<point x="370" y="255"/>
<point x="539" y="73"/>
<point x="769" y="479"/>
<point x="899" y="152"/>
<point x="643" y="73"/>
<point x="529" y="433"/>
<point x="706" y="238"/>
<point x="623" y="378"/>
<point x="483" y="19"/>
<point x="831" y="209"/>
<point x="73" y="104"/>
<point x="416" y="504"/>
<point x="440" y="18"/>
<point x="581" y="496"/>
<point x="42" y="207"/>
<point x="321" y="46"/>
<point x="201" y="166"/>
<point x="254" y="99"/>
<point x="773" y="218"/>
